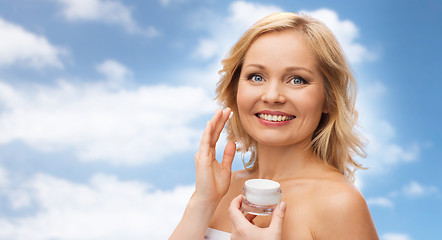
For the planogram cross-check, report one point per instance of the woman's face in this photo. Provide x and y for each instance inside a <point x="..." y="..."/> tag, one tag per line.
<point x="280" y="90"/>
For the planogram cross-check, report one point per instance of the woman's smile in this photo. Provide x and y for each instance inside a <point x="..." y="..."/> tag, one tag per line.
<point x="274" y="118"/>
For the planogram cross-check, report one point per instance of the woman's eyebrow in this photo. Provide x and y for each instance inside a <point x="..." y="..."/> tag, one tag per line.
<point x="255" y="65"/>
<point x="299" y="69"/>
<point x="294" y="68"/>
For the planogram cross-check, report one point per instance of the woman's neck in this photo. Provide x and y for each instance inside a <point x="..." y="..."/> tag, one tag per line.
<point x="279" y="163"/>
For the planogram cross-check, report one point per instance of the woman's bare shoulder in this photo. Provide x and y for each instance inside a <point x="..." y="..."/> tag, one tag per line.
<point x="341" y="211"/>
<point x="326" y="207"/>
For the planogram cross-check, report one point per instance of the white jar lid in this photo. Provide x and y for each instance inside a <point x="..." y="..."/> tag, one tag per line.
<point x="262" y="186"/>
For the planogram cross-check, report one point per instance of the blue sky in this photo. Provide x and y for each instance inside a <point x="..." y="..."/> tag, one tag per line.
<point x="102" y="104"/>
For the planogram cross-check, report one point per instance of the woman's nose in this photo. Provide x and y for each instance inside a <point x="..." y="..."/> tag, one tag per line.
<point x="273" y="93"/>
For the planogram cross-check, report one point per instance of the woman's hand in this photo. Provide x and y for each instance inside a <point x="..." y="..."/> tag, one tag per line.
<point x="243" y="228"/>
<point x="212" y="181"/>
<point x="212" y="177"/>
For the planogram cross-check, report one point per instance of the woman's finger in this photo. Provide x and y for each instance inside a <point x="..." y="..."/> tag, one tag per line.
<point x="202" y="156"/>
<point x="278" y="218"/>
<point x="236" y="215"/>
<point x="216" y="117"/>
<point x="219" y="125"/>
<point x="229" y="154"/>
<point x="213" y="130"/>
<point x="206" y="137"/>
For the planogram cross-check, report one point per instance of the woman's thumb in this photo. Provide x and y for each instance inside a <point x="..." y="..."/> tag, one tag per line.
<point x="278" y="217"/>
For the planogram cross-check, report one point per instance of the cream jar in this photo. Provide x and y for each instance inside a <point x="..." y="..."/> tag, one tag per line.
<point x="260" y="196"/>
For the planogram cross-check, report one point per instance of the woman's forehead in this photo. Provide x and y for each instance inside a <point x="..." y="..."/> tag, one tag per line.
<point x="282" y="49"/>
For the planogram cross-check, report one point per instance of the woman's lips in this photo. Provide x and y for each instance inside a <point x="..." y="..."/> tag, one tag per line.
<point x="274" y="116"/>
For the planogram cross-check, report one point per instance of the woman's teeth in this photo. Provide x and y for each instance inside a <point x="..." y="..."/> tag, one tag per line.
<point x="274" y="118"/>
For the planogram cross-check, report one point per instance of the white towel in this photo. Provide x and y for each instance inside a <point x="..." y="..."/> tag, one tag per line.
<point x="213" y="234"/>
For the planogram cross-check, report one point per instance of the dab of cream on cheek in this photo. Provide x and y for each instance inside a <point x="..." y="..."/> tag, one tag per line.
<point x="260" y="196"/>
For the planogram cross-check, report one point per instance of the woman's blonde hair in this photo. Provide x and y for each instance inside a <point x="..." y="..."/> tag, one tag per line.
<point x="335" y="140"/>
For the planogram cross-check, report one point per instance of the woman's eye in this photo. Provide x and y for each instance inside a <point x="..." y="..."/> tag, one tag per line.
<point x="256" y="78"/>
<point x="298" y="80"/>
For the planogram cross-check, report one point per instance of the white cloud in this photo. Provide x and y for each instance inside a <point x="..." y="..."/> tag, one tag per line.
<point x="346" y="32"/>
<point x="4" y="178"/>
<point x="19" y="46"/>
<point x="113" y="12"/>
<point x="384" y="153"/>
<point x="166" y="3"/>
<point x="395" y="236"/>
<point x="411" y="190"/>
<point x="103" y="208"/>
<point x="207" y="48"/>
<point x="359" y="183"/>
<point x="113" y="69"/>
<point x="101" y="123"/>
<point x="244" y="14"/>
<point x="415" y="189"/>
<point x="223" y="34"/>
<point x="116" y="73"/>
<point x="380" y="201"/>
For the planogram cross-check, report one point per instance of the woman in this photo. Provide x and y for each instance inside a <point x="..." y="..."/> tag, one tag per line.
<point x="292" y="95"/>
